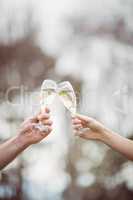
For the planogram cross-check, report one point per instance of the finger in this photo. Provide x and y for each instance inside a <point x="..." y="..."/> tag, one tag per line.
<point x="50" y="129"/>
<point x="31" y="120"/>
<point x="43" y="128"/>
<point x="47" y="122"/>
<point x="79" y="134"/>
<point x="78" y="126"/>
<point x="76" y="121"/>
<point x="42" y="133"/>
<point x="46" y="110"/>
<point x="84" y="118"/>
<point x="76" y="133"/>
<point x="39" y="116"/>
<point x="43" y="116"/>
<point x="47" y="132"/>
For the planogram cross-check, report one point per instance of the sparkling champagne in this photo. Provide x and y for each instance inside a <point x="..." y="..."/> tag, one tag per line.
<point x="68" y="100"/>
<point x="48" y="92"/>
<point x="47" y="97"/>
<point x="67" y="96"/>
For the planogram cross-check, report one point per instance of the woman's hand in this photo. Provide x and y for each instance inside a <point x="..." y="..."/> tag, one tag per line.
<point x="88" y="128"/>
<point x="97" y="131"/>
<point x="29" y="132"/>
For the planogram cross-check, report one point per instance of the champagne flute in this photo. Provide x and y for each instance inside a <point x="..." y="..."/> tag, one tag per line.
<point x="67" y="96"/>
<point x="47" y="95"/>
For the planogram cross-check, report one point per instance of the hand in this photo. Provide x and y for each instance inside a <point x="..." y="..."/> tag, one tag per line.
<point x="88" y="128"/>
<point x="30" y="134"/>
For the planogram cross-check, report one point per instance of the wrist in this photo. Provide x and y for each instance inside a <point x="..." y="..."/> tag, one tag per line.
<point x="105" y="136"/>
<point x="20" y="142"/>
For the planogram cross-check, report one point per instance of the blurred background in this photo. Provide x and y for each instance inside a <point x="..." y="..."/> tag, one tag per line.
<point x="90" y="44"/>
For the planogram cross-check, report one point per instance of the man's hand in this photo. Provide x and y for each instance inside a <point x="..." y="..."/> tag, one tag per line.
<point x="88" y="128"/>
<point x="30" y="134"/>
